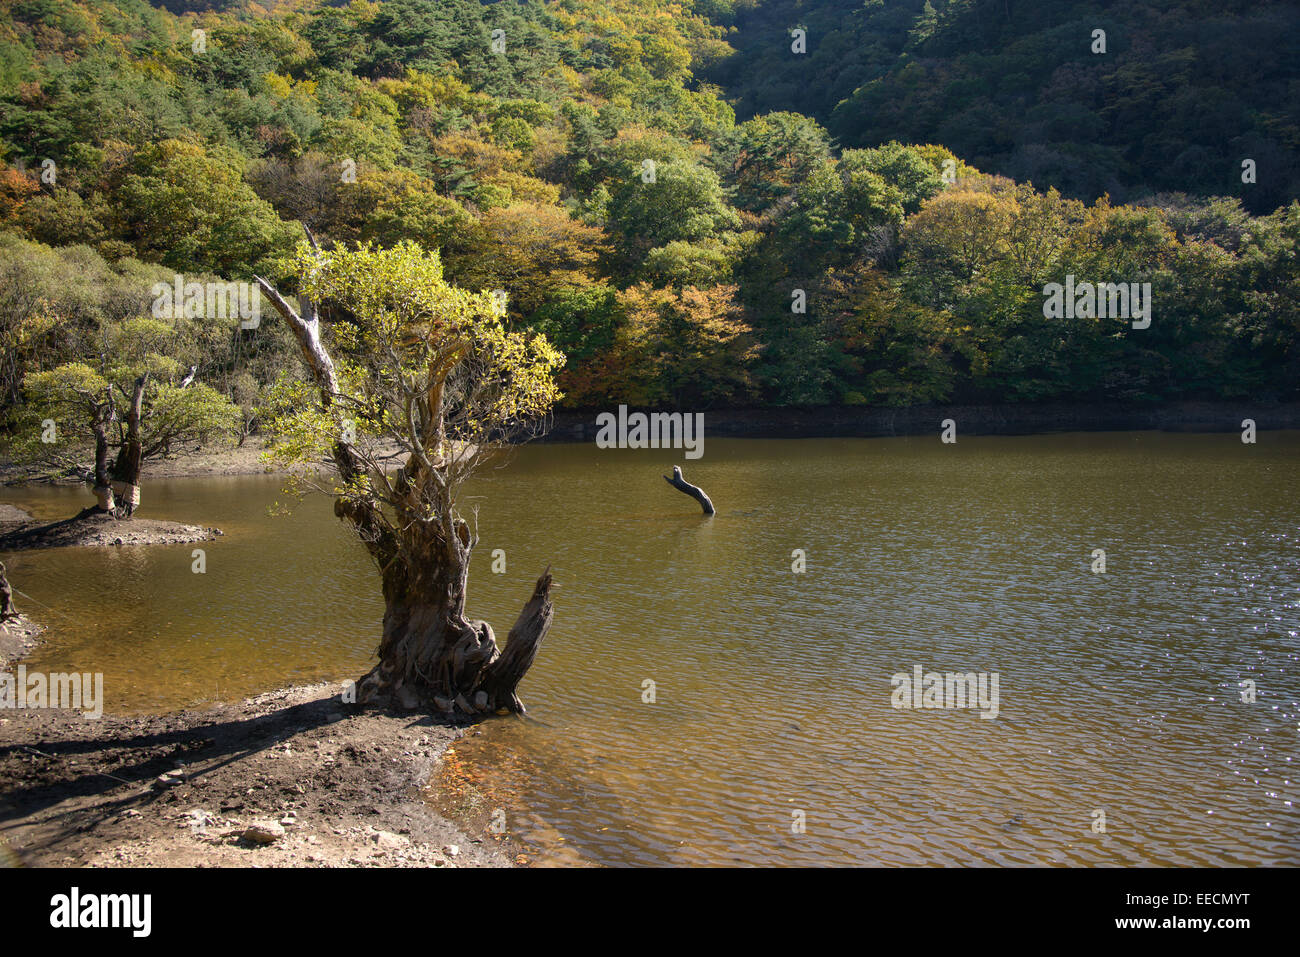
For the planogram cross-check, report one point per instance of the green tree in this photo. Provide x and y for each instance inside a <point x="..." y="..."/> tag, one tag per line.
<point x="432" y="371"/>
<point x="189" y="208"/>
<point x="683" y="202"/>
<point x="133" y="402"/>
<point x="764" y="160"/>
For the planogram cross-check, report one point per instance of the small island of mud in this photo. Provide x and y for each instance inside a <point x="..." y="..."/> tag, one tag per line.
<point x="95" y="529"/>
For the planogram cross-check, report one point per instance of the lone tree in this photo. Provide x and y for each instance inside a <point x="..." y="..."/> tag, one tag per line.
<point x="131" y="403"/>
<point x="419" y="384"/>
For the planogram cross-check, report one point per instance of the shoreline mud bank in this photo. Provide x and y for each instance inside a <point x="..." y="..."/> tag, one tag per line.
<point x="290" y="778"/>
<point x="18" y="636"/>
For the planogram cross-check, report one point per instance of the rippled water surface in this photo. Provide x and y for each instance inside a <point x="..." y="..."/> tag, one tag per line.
<point x="1119" y="692"/>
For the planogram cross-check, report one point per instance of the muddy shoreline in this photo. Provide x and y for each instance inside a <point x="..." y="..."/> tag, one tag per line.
<point x="221" y="460"/>
<point x="291" y="778"/>
<point x="288" y="778"/>
<point x="18" y="636"/>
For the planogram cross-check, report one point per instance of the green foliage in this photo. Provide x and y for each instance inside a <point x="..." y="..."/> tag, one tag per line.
<point x="684" y="202"/>
<point x="764" y="160"/>
<point x="175" y="414"/>
<point x="1184" y="92"/>
<point x="402" y="121"/>
<point x="421" y="365"/>
<point x="584" y="324"/>
<point x="191" y="209"/>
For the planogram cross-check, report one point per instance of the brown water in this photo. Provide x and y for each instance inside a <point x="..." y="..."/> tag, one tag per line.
<point x="1118" y="692"/>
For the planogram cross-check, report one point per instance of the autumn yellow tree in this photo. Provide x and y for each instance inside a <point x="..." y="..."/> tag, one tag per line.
<point x="533" y="252"/>
<point x="683" y="347"/>
<point x="420" y="375"/>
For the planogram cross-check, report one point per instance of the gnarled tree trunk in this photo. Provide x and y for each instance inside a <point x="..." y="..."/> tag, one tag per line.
<point x="126" y="471"/>
<point x="102" y="415"/>
<point x="432" y="653"/>
<point x="103" y="485"/>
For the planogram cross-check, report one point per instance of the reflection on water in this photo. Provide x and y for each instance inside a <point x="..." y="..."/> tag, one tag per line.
<point x="1118" y="693"/>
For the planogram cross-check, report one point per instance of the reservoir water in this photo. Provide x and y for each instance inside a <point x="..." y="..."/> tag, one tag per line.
<point x="772" y="736"/>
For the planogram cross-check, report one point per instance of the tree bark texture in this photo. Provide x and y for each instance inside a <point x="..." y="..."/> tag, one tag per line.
<point x="126" y="471"/>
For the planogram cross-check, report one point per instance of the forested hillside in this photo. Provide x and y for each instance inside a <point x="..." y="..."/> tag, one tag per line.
<point x="585" y="157"/>
<point x="1183" y="91"/>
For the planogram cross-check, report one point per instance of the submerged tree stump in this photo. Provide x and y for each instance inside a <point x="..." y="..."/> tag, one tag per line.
<point x="694" y="491"/>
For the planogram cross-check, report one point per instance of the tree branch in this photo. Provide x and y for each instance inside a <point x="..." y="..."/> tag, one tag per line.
<point x="694" y="491"/>
<point x="367" y="516"/>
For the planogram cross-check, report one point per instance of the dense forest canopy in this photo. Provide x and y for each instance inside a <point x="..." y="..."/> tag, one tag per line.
<point x="691" y="211"/>
<point x="1183" y="92"/>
